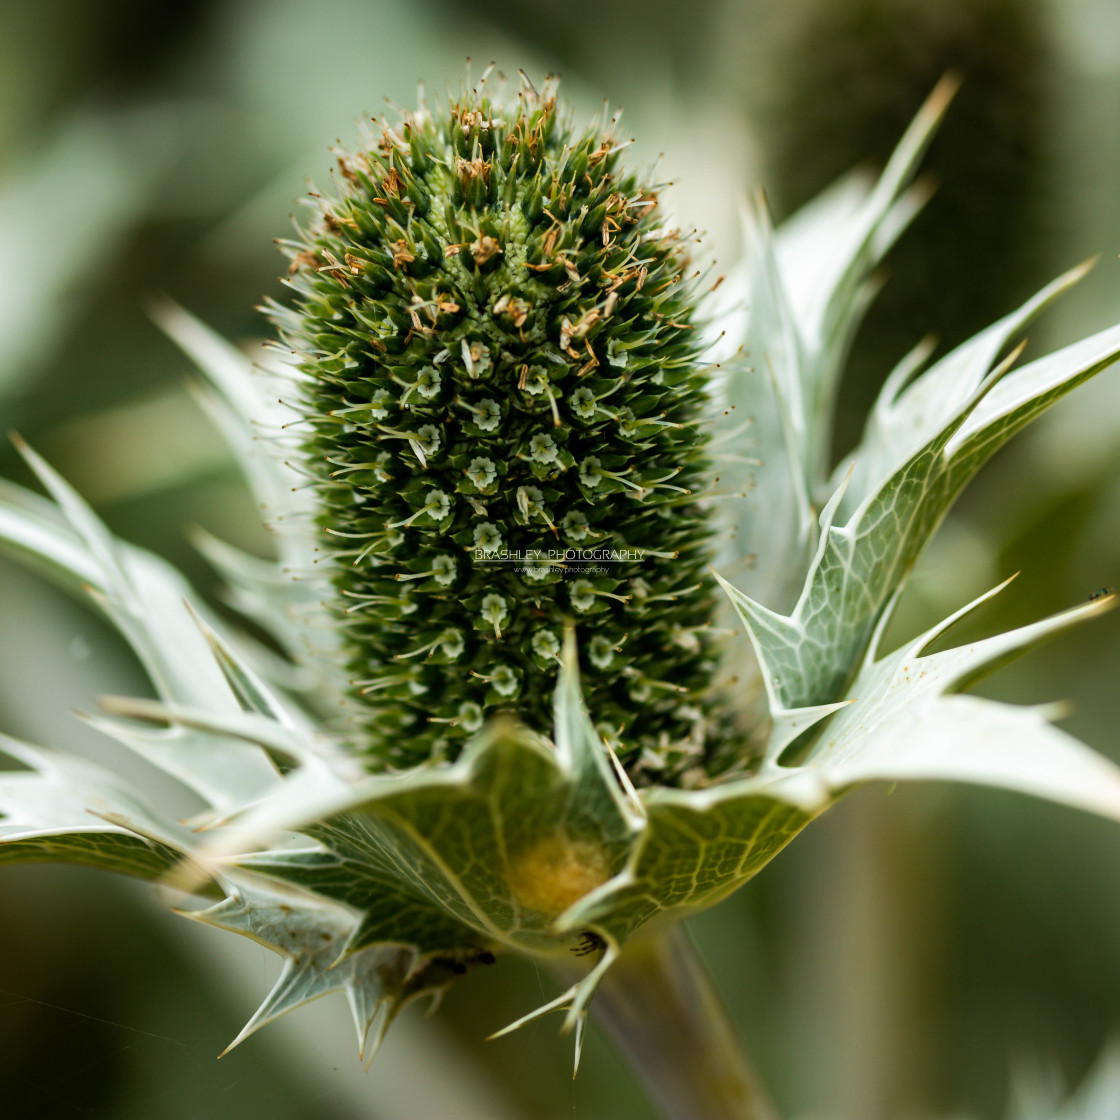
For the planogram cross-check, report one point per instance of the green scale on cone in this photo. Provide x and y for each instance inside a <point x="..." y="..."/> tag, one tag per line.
<point x="502" y="378"/>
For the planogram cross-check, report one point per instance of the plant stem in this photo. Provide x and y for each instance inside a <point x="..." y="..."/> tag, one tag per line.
<point x="660" y="1006"/>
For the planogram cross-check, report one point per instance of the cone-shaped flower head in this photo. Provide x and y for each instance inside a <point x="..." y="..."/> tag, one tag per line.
<point x="503" y="401"/>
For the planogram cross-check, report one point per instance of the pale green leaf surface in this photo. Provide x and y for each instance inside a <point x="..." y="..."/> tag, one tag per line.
<point x="809" y="656"/>
<point x="911" y="410"/>
<point x="901" y="725"/>
<point x="479" y="837"/>
<point x="832" y="315"/>
<point x="146" y="599"/>
<point x="287" y="746"/>
<point x="807" y="242"/>
<point x="143" y="595"/>
<point x="225" y="771"/>
<point x="246" y="402"/>
<point x="825" y="278"/>
<point x="389" y="912"/>
<point x="898" y="724"/>
<point x="218" y="757"/>
<point x="64" y="809"/>
<point x="1025" y="393"/>
<point x="312" y="935"/>
<point x="966" y="739"/>
<point x="60" y="789"/>
<point x="698" y="847"/>
<point x="103" y="848"/>
<point x="759" y="439"/>
<point x="263" y="591"/>
<point x="32" y="531"/>
<point x="1039" y="1097"/>
<point x="503" y="843"/>
<point x="249" y="688"/>
<point x="808" y="289"/>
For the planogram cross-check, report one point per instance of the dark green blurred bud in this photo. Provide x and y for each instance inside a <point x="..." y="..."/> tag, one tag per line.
<point x="832" y="85"/>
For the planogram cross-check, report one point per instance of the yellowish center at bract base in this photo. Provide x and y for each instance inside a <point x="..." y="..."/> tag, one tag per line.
<point x="556" y="872"/>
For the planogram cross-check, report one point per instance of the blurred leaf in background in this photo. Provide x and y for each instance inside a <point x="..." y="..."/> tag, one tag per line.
<point x="830" y="86"/>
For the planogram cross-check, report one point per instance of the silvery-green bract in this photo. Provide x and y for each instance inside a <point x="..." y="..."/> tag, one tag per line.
<point x="427" y="848"/>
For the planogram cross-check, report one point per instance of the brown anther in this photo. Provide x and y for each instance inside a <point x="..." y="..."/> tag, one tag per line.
<point x="305" y="258"/>
<point x="334" y="267"/>
<point x="350" y="164"/>
<point x="401" y="255"/>
<point x="485" y="249"/>
<point x="600" y="153"/>
<point x="391" y="142"/>
<point x="586" y="322"/>
<point x="393" y="183"/>
<point x="469" y="170"/>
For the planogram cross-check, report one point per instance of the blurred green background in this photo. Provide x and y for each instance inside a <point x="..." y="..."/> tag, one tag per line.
<point x="906" y="953"/>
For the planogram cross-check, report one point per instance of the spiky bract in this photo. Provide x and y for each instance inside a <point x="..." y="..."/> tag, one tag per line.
<point x="500" y="367"/>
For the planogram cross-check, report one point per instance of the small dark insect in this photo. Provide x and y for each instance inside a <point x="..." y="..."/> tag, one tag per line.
<point x="1100" y="593"/>
<point x="588" y="943"/>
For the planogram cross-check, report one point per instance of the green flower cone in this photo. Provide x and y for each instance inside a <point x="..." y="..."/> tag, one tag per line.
<point x="503" y="407"/>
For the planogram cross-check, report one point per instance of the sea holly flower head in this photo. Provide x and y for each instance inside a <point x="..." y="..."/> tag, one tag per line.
<point x="490" y="257"/>
<point x="509" y="442"/>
